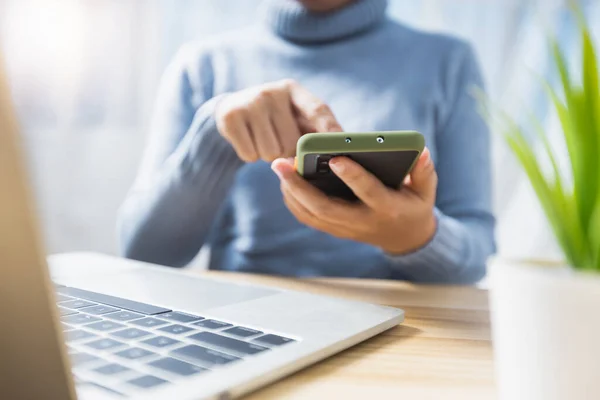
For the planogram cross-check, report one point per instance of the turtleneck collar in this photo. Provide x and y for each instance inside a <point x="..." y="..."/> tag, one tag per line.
<point x="290" y="20"/>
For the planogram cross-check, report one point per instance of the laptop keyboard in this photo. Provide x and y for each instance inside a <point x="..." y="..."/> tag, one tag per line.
<point x="125" y="346"/>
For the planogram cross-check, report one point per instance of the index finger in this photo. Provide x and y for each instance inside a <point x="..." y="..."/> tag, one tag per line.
<point x="313" y="109"/>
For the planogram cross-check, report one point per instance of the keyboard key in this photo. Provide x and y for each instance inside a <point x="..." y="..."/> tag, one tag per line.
<point x="104" y="344"/>
<point x="242" y="332"/>
<point x="123" y="316"/>
<point x="78" y="334"/>
<point x="64" y="312"/>
<point x="160" y="341"/>
<point x="78" y="319"/>
<point x="179" y="317"/>
<point x="226" y="343"/>
<point x="194" y="354"/>
<point x="118" y="302"/>
<point x="149" y="322"/>
<point x="74" y="304"/>
<point x="111" y="369"/>
<point x="134" y="353"/>
<point x="147" y="381"/>
<point x="104" y="326"/>
<point x="176" y="329"/>
<point x="82" y="358"/>
<point x="60" y="298"/>
<point x="100" y="309"/>
<point x="177" y="367"/>
<point x="212" y="324"/>
<point x="130" y="333"/>
<point x="273" y="340"/>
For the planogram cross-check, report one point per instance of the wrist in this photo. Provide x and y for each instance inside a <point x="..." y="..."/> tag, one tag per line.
<point x="419" y="235"/>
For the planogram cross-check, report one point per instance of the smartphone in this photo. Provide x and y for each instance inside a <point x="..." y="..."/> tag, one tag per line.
<point x="389" y="156"/>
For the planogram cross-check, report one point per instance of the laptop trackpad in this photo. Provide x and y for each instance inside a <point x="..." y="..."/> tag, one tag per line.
<point x="172" y="290"/>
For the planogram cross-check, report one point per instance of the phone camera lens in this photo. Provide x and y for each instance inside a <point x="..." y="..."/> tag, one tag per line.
<point x="348" y="140"/>
<point x="380" y="139"/>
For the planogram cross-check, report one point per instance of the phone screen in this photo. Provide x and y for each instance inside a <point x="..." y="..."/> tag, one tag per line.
<point x="390" y="167"/>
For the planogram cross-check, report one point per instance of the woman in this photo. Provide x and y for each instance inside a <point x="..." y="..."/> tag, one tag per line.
<point x="229" y="107"/>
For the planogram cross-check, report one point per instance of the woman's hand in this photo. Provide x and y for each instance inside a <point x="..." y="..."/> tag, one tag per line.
<point x="397" y="221"/>
<point x="265" y="121"/>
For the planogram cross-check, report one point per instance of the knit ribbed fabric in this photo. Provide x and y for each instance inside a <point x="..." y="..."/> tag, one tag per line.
<point x="291" y="21"/>
<point x="375" y="74"/>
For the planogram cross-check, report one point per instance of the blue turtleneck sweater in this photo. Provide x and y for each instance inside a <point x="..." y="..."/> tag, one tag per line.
<point x="376" y="74"/>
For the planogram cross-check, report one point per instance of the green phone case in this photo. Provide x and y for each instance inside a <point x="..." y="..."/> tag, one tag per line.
<point x="388" y="155"/>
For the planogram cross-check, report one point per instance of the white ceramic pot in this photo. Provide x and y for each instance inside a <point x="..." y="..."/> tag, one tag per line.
<point x="546" y="332"/>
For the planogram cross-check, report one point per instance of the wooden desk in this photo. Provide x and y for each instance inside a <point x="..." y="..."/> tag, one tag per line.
<point x="441" y="351"/>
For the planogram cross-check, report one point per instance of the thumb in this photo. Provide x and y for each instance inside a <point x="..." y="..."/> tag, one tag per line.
<point x="284" y="167"/>
<point x="423" y="178"/>
<point x="312" y="109"/>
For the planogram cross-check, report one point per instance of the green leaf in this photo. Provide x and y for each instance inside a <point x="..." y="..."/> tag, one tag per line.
<point x="594" y="235"/>
<point x="561" y="65"/>
<point x="591" y="99"/>
<point x="586" y="183"/>
<point x="551" y="199"/>
<point x="543" y="137"/>
<point x="566" y="125"/>
<point x="570" y="199"/>
<point x="562" y="200"/>
<point x="579" y="125"/>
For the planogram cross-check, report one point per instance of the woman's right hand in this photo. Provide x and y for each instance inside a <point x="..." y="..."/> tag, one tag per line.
<point x="265" y="121"/>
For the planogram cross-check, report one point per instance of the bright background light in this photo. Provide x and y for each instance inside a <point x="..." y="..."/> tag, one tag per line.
<point x="84" y="76"/>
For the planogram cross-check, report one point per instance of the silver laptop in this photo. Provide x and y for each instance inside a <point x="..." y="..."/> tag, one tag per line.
<point x="102" y="327"/>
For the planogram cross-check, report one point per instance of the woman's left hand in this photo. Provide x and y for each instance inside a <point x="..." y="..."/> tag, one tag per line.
<point x="397" y="221"/>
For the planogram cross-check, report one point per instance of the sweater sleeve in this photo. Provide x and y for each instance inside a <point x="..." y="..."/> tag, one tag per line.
<point x="186" y="171"/>
<point x="465" y="224"/>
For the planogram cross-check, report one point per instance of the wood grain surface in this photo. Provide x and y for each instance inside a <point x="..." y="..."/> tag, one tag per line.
<point x="441" y="351"/>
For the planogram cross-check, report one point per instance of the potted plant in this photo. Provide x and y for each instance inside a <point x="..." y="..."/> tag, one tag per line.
<point x="546" y="318"/>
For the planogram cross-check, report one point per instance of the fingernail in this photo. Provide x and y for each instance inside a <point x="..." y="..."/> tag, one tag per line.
<point x="334" y="128"/>
<point x="277" y="171"/>
<point x="426" y="158"/>
<point x="337" y="166"/>
<point x="283" y="168"/>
